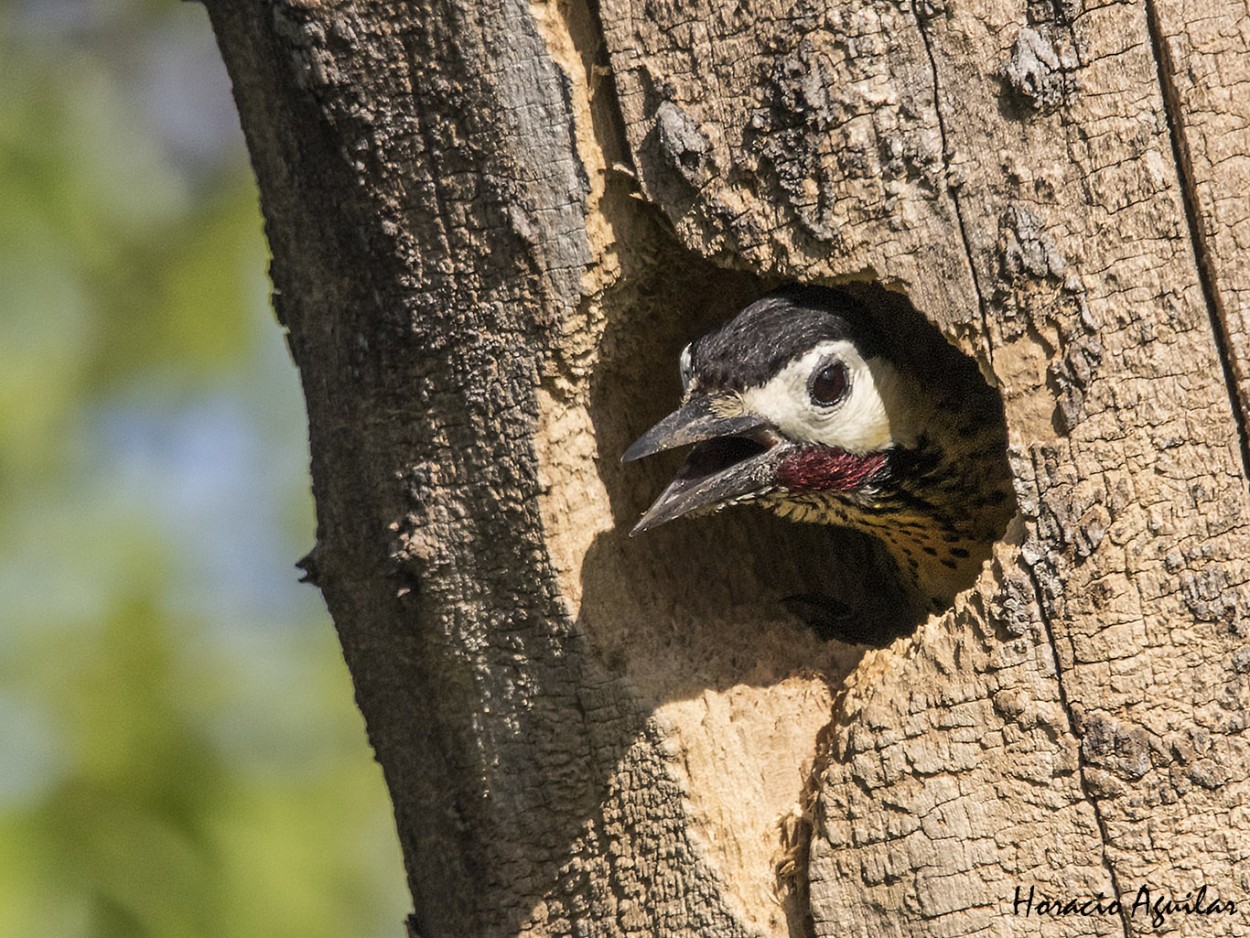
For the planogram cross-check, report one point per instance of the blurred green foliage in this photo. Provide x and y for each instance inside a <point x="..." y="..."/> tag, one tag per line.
<point x="179" y="753"/>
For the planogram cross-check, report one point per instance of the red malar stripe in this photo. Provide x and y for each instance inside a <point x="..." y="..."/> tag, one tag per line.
<point x="821" y="469"/>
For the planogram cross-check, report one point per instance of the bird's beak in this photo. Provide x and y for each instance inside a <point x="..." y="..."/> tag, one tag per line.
<point x="733" y="458"/>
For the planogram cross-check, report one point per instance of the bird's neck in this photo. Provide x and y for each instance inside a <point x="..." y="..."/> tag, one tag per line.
<point x="936" y="520"/>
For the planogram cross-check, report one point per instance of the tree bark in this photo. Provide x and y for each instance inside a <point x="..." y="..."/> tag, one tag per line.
<point x="493" y="226"/>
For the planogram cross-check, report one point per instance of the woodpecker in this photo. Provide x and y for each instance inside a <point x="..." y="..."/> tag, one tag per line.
<point x="803" y="405"/>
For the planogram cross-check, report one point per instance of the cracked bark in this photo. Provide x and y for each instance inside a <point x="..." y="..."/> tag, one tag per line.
<point x="494" y="224"/>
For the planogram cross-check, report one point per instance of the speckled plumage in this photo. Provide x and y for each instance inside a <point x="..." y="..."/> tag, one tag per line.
<point x="935" y="516"/>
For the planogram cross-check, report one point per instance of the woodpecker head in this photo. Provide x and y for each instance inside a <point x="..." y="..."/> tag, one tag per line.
<point x="798" y="404"/>
<point x="793" y="396"/>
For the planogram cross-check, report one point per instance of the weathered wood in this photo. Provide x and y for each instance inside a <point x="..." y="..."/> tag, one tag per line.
<point x="1200" y="50"/>
<point x="493" y="225"/>
<point x="1052" y="179"/>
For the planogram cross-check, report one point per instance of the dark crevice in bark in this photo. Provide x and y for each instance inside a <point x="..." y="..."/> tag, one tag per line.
<point x="954" y="196"/>
<point x="1086" y="791"/>
<point x="592" y="45"/>
<point x="1173" y="112"/>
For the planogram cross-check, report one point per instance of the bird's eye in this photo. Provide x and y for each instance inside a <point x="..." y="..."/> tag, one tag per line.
<point x="829" y="383"/>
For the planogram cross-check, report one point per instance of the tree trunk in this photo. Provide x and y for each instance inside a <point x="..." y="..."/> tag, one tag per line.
<point x="494" y="224"/>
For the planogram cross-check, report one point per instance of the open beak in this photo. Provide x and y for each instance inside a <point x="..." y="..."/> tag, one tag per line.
<point x="733" y="458"/>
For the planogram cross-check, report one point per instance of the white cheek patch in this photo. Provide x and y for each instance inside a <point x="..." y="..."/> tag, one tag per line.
<point x="858" y="423"/>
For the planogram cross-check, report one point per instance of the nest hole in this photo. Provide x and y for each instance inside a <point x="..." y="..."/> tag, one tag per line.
<point x="739" y="577"/>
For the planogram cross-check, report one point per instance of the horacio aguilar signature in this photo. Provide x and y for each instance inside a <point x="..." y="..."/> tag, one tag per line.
<point x="1158" y="906"/>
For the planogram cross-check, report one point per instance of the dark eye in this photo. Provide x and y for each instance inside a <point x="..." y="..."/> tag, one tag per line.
<point x="829" y="384"/>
